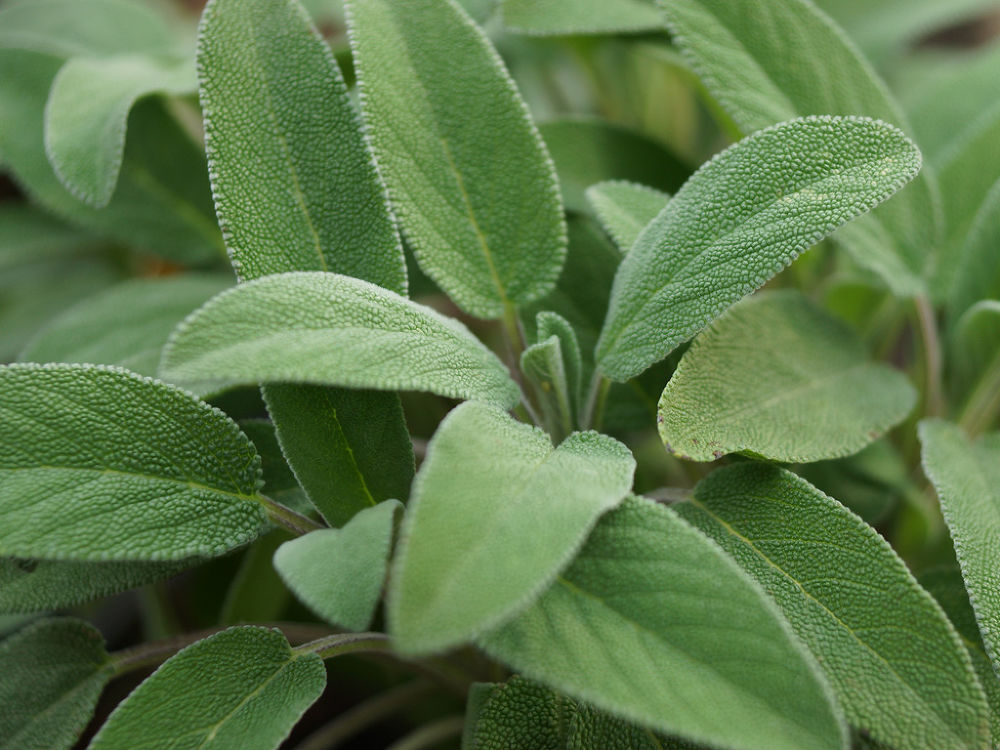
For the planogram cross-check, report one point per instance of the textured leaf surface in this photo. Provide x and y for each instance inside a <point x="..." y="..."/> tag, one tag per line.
<point x="625" y="208"/>
<point x="878" y="636"/>
<point x="778" y="377"/>
<point x="328" y="329"/>
<point x="786" y="59"/>
<point x="125" y="325"/>
<point x="477" y="545"/>
<point x="651" y="620"/>
<point x="467" y="172"/>
<point x="544" y="365"/>
<point x="966" y="476"/>
<point x="87" y="111"/>
<point x="87" y="446"/>
<point x="338" y="573"/>
<point x="565" y="17"/>
<point x="270" y="87"/>
<point x="521" y="713"/>
<point x="279" y="480"/>
<point x="587" y="151"/>
<point x="51" y="675"/>
<point x="241" y="689"/>
<point x="739" y="220"/>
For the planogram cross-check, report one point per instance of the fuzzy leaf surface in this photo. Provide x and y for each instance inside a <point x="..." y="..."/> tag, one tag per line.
<point x="571" y="17"/>
<point x="271" y="87"/>
<point x="468" y="174"/>
<point x="477" y="546"/>
<point x="339" y="573"/>
<point x="877" y="634"/>
<point x="87" y="112"/>
<point x="328" y="329"/>
<point x="125" y="325"/>
<point x="787" y="59"/>
<point x="241" y="689"/>
<point x="625" y="208"/>
<point x="651" y="620"/>
<point x="966" y="475"/>
<point x="87" y="446"/>
<point x="740" y="219"/>
<point x="778" y="377"/>
<point x="51" y="674"/>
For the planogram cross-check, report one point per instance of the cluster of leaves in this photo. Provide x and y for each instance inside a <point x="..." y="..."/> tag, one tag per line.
<point x="410" y="431"/>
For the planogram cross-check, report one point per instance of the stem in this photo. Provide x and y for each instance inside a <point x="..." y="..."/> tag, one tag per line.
<point x="345" y="643"/>
<point x="431" y="734"/>
<point x="983" y="403"/>
<point x="669" y="495"/>
<point x="597" y="396"/>
<point x="363" y="715"/>
<point x="934" y="403"/>
<point x="283" y="516"/>
<point x="513" y="331"/>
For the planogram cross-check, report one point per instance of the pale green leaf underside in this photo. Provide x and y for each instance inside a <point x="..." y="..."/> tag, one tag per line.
<point x="310" y="199"/>
<point x="544" y="366"/>
<point x="477" y="545"/>
<point x="241" y="689"/>
<point x="564" y="17"/>
<point x="783" y="59"/>
<point x="468" y="174"/>
<point x="338" y="573"/>
<point x="896" y="664"/>
<point x="125" y="325"/>
<point x="328" y="329"/>
<point x="778" y="377"/>
<point x="653" y="623"/>
<point x="966" y="476"/>
<point x="51" y="675"/>
<point x="87" y="110"/>
<point x="88" y="447"/>
<point x="740" y="219"/>
<point x="625" y="208"/>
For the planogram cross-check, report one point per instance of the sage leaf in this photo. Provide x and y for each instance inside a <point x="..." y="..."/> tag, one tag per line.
<point x="257" y="593"/>
<point x="974" y="346"/>
<point x="739" y="220"/>
<point x="30" y="236"/>
<point x="571" y="17"/>
<point x="852" y="601"/>
<point x="587" y="150"/>
<point x="126" y="324"/>
<point x="241" y="689"/>
<point x="339" y="573"/>
<point x="271" y="87"/>
<point x="554" y="365"/>
<point x="778" y="377"/>
<point x="650" y="619"/>
<point x="746" y="61"/>
<point x="280" y="483"/>
<point x="437" y="98"/>
<point x="477" y="546"/>
<point x="328" y="329"/>
<point x="53" y="672"/>
<point x="977" y="270"/>
<point x="966" y="475"/>
<point x="625" y="208"/>
<point x="86" y="446"/>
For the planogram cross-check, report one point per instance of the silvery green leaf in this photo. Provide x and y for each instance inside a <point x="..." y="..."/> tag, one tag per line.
<point x="625" y="208"/>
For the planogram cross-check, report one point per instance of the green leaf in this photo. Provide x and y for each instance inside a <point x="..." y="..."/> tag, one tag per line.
<point x="270" y="87"/>
<point x="280" y="483"/>
<point x="977" y="270"/>
<point x="339" y="573"/>
<point x="946" y="585"/>
<point x="125" y="325"/>
<point x="241" y="689"/>
<point x="572" y="17"/>
<point x="852" y="601"/>
<point x="87" y="446"/>
<point x="778" y="377"/>
<point x="348" y="448"/>
<point x="974" y="346"/>
<point x="740" y="219"/>
<point x="50" y="585"/>
<point x="162" y="202"/>
<point x="554" y="365"/>
<point x="257" y="593"/>
<point x="87" y="110"/>
<point x="476" y="546"/>
<point x="550" y="324"/>
<point x="966" y="476"/>
<point x="29" y="236"/>
<point x="328" y="329"/>
<point x="760" y="77"/>
<point x="522" y="714"/>
<point x="651" y="619"/>
<point x="625" y="208"/>
<point x="587" y="150"/>
<point x="470" y="178"/>
<point x="51" y="675"/>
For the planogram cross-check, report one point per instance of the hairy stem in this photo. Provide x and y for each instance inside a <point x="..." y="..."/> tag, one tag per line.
<point x="339" y="644"/>
<point x="597" y="396"/>
<point x="285" y="517"/>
